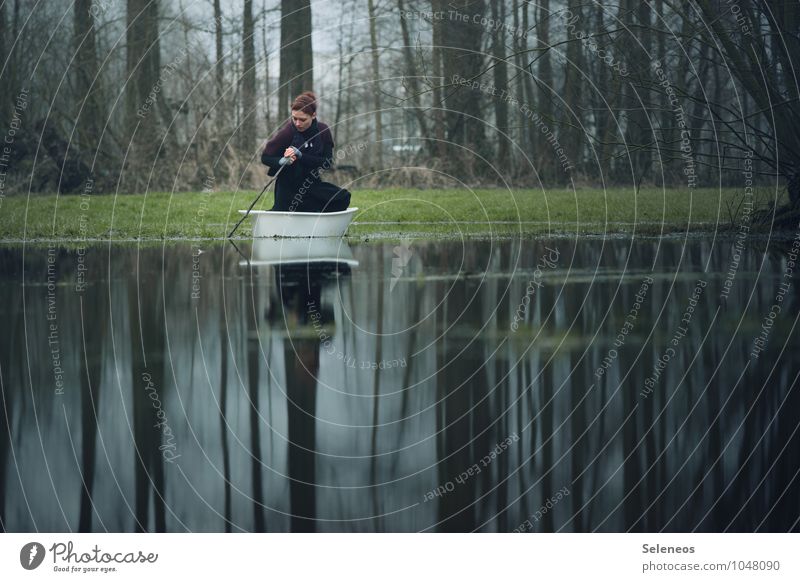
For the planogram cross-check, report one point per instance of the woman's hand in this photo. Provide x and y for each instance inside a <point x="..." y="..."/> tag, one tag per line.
<point x="289" y="153"/>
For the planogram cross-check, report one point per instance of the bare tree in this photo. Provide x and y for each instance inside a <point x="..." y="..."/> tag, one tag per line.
<point x="501" y="82"/>
<point x="573" y="91"/>
<point x="761" y="48"/>
<point x="267" y="90"/>
<point x="528" y="92"/>
<point x="5" y="72"/>
<point x="249" y="117"/>
<point x="462" y="58"/>
<point x="376" y="84"/>
<point x="87" y="84"/>
<point x="639" y="131"/>
<point x="412" y="75"/>
<point x="143" y="58"/>
<point x="297" y="65"/>
<point x="438" y="81"/>
<point x="603" y="122"/>
<point x="218" y="68"/>
<point x="546" y="85"/>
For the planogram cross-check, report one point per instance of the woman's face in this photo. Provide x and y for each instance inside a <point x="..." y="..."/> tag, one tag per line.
<point x="302" y="121"/>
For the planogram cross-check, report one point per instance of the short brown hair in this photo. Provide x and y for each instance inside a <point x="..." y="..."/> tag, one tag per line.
<point x="305" y="102"/>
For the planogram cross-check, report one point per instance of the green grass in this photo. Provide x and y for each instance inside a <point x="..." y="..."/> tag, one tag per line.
<point x="383" y="213"/>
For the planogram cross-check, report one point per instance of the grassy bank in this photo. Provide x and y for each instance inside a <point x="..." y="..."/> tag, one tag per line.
<point x="383" y="213"/>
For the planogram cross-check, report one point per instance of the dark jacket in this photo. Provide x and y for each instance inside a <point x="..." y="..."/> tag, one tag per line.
<point x="299" y="186"/>
<point x="315" y="145"/>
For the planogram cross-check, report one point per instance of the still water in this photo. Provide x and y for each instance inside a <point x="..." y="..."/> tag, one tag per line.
<point x="539" y="385"/>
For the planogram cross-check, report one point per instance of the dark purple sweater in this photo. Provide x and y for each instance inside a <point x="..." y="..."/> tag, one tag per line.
<point x="315" y="145"/>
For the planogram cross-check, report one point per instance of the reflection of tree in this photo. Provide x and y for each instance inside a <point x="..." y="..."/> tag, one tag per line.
<point x="10" y="354"/>
<point x="708" y="452"/>
<point x="253" y="355"/>
<point x="145" y="295"/>
<point x="5" y="443"/>
<point x="223" y="414"/>
<point x="373" y="462"/>
<point x="300" y="296"/>
<point x="463" y="417"/>
<point x="94" y="331"/>
<point x="548" y="413"/>
<point x="301" y="384"/>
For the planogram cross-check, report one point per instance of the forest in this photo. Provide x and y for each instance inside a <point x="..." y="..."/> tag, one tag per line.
<point x="146" y="95"/>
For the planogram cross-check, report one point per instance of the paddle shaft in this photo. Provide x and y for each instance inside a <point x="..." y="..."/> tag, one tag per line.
<point x="257" y="199"/>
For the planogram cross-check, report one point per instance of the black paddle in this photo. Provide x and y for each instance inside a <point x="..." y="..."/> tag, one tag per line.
<point x="283" y="165"/>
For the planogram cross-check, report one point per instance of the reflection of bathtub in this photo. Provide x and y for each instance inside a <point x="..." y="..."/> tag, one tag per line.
<point x="308" y="250"/>
<point x="267" y="224"/>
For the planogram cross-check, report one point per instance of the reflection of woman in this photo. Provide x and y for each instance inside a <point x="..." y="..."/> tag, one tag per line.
<point x="300" y="302"/>
<point x="306" y="147"/>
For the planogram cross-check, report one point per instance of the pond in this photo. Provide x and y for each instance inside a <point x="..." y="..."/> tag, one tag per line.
<point x="485" y="385"/>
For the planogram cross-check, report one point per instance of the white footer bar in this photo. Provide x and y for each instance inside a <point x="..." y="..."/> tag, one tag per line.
<point x="406" y="557"/>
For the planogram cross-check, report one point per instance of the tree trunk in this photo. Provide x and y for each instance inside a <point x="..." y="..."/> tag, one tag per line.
<point x="12" y="68"/>
<point x="546" y="89"/>
<point x="462" y="58"/>
<point x="343" y="98"/>
<point x="645" y="158"/>
<point x="637" y="125"/>
<point x="436" y="65"/>
<point x="348" y="98"/>
<point x="528" y="89"/>
<point x="187" y="105"/>
<point x="340" y="70"/>
<point x="6" y="89"/>
<point x="602" y="111"/>
<point x="249" y="118"/>
<point x="665" y="117"/>
<point x="143" y="66"/>
<point x="522" y="134"/>
<point x="501" y="83"/>
<point x="267" y="90"/>
<point x="412" y="78"/>
<point x="218" y="70"/>
<point x="572" y="135"/>
<point x="376" y="84"/>
<point x="90" y="116"/>
<point x="15" y="21"/>
<point x="297" y="65"/>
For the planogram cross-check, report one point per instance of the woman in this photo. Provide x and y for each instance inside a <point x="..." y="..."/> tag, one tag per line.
<point x="304" y="146"/>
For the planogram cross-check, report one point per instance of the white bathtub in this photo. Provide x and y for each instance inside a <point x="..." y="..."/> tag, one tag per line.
<point x="267" y="223"/>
